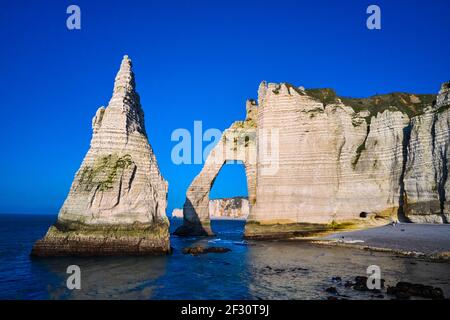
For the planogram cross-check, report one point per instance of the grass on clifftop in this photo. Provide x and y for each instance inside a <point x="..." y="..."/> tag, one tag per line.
<point x="411" y="104"/>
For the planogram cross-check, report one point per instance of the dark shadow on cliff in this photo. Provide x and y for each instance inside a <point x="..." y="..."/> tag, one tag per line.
<point x="401" y="201"/>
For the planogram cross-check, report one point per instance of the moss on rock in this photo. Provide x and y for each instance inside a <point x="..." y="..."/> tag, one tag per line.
<point x="104" y="172"/>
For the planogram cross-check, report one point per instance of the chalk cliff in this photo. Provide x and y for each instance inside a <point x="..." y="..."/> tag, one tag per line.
<point x="333" y="162"/>
<point x="329" y="161"/>
<point x="233" y="208"/>
<point x="177" y="213"/>
<point x="223" y="208"/>
<point x="237" y="143"/>
<point x="426" y="183"/>
<point x="117" y="201"/>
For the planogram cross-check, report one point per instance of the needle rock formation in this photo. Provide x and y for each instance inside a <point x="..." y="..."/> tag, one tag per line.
<point x="117" y="201"/>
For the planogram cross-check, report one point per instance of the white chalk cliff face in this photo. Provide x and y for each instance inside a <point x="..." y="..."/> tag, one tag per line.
<point x="427" y="185"/>
<point x="177" y="213"/>
<point x="332" y="164"/>
<point x="223" y="208"/>
<point x="233" y="208"/>
<point x="323" y="159"/>
<point x="238" y="143"/>
<point x="119" y="180"/>
<point x="118" y="188"/>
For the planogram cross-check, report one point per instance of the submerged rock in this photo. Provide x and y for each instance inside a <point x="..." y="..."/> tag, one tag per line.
<point x="360" y="284"/>
<point x="203" y="250"/>
<point x="336" y="279"/>
<point x="406" y="290"/>
<point x="116" y="204"/>
<point x="332" y="290"/>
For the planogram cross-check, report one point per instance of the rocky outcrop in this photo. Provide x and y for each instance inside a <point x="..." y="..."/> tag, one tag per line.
<point x="238" y="143"/>
<point x="229" y="208"/>
<point x="177" y="213"/>
<point x="331" y="161"/>
<point x="117" y="201"/>
<point x="426" y="180"/>
<point x="224" y="208"/>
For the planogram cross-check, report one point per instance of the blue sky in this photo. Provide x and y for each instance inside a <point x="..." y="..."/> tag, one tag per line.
<point x="193" y="60"/>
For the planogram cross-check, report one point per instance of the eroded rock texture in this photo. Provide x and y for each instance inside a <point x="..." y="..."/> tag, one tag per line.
<point x="117" y="201"/>
<point x="223" y="208"/>
<point x="234" y="208"/>
<point x="324" y="160"/>
<point x="333" y="163"/>
<point x="427" y="186"/>
<point x="238" y="143"/>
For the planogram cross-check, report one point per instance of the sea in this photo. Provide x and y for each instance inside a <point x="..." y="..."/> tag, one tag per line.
<point x="251" y="270"/>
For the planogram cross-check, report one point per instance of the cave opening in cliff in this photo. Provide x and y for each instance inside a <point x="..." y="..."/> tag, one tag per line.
<point x="229" y="197"/>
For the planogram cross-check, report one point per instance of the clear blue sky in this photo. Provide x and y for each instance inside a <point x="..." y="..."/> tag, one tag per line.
<point x="193" y="60"/>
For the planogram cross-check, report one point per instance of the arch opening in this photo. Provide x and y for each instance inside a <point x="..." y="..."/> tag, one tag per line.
<point x="229" y="206"/>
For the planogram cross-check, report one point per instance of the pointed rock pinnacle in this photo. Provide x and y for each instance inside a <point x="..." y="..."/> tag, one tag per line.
<point x="125" y="76"/>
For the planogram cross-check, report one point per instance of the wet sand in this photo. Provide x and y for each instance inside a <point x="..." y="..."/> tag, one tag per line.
<point x="430" y="240"/>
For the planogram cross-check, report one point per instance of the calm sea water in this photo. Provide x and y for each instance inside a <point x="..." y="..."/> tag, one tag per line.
<point x="252" y="270"/>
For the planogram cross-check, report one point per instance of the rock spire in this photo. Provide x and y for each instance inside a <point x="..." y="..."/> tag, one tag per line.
<point x="117" y="201"/>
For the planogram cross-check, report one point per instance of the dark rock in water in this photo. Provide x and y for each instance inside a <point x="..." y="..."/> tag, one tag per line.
<point x="298" y="269"/>
<point x="217" y="250"/>
<point x="270" y="270"/>
<point x="399" y="294"/>
<point x="361" y="284"/>
<point x="336" y="279"/>
<point x="332" y="298"/>
<point x="348" y="284"/>
<point x="405" y="290"/>
<point x="202" y="250"/>
<point x="332" y="290"/>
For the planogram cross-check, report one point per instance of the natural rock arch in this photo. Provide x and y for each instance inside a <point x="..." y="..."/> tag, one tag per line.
<point x="238" y="143"/>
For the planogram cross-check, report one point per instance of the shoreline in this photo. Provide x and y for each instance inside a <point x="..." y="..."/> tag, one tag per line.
<point x="422" y="241"/>
<point x="215" y="218"/>
<point x="439" y="257"/>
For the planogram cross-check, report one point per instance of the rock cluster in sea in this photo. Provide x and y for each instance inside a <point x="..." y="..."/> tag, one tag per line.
<point x="117" y="201"/>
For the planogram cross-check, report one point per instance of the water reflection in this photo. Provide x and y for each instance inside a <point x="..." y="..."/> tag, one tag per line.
<point x="251" y="270"/>
<point x="293" y="270"/>
<point x="106" y="277"/>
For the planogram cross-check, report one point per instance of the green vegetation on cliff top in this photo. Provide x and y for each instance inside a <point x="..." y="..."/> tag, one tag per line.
<point x="411" y="104"/>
